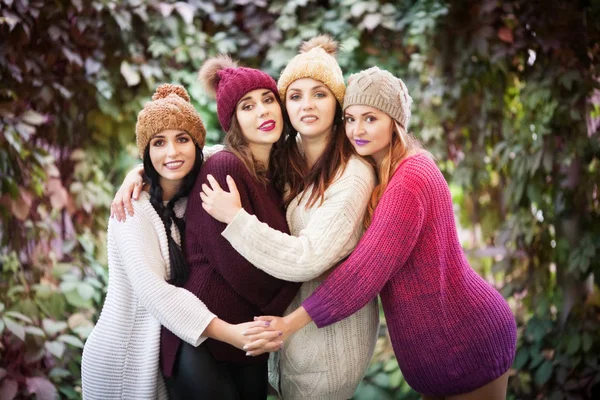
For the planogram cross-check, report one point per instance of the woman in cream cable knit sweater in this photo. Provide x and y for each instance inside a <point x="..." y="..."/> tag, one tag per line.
<point x="329" y="188"/>
<point x="120" y="358"/>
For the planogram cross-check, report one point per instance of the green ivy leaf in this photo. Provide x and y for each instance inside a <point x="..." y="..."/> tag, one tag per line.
<point x="17" y="329"/>
<point x="55" y="348"/>
<point x="543" y="373"/>
<point x="574" y="344"/>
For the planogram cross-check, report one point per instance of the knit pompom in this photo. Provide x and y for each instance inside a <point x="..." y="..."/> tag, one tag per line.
<point x="168" y="88"/>
<point x="326" y="42"/>
<point x="208" y="74"/>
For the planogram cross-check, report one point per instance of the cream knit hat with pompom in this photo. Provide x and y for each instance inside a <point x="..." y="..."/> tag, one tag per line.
<point x="316" y="61"/>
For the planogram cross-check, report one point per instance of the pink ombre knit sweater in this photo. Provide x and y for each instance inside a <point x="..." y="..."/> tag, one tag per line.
<point x="452" y="332"/>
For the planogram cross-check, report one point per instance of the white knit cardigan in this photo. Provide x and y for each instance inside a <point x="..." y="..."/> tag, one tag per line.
<point x="327" y="363"/>
<point x="121" y="356"/>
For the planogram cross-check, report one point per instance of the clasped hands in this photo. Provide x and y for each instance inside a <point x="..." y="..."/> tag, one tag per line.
<point x="267" y="337"/>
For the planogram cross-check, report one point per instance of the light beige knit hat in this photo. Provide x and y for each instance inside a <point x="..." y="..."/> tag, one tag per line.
<point x="379" y="89"/>
<point x="316" y="61"/>
<point x="170" y="108"/>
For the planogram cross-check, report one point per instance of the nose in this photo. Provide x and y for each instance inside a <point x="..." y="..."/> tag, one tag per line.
<point x="172" y="149"/>
<point x="359" y="128"/>
<point x="262" y="110"/>
<point x="306" y="103"/>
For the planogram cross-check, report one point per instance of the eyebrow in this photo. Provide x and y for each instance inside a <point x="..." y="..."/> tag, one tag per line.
<point x="312" y="88"/>
<point x="250" y="97"/>
<point x="159" y="136"/>
<point x="361" y="115"/>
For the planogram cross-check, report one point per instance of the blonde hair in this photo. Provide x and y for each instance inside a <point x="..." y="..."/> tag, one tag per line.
<point x="402" y="145"/>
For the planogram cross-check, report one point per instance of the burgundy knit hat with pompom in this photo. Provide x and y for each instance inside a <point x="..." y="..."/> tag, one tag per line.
<point x="223" y="79"/>
<point x="170" y="108"/>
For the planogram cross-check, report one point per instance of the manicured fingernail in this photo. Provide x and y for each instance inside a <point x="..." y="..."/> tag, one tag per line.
<point x="248" y="353"/>
<point x="255" y="318"/>
<point x="280" y="333"/>
<point x="267" y="323"/>
<point x="245" y="347"/>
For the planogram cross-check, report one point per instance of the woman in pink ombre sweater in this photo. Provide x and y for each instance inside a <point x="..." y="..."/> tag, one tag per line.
<point x="453" y="334"/>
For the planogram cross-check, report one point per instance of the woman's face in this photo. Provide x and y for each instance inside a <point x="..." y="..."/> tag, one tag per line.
<point x="260" y="118"/>
<point x="370" y="130"/>
<point x="311" y="107"/>
<point x="173" y="154"/>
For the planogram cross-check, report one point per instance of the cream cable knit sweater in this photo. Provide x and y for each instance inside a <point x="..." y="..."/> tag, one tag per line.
<point x="328" y="363"/>
<point x="120" y="358"/>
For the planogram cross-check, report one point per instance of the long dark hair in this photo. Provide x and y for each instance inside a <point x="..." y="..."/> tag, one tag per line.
<point x="179" y="267"/>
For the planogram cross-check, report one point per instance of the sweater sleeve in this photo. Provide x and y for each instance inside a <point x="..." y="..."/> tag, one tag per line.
<point x="321" y="244"/>
<point x="385" y="247"/>
<point x="209" y="151"/>
<point x="174" y="307"/>
<point x="204" y="240"/>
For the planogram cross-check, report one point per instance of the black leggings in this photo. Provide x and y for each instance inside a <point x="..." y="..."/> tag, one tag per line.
<point x="197" y="375"/>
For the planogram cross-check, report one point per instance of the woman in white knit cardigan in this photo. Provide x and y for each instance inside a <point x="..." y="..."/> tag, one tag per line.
<point x="329" y="189"/>
<point x="146" y="265"/>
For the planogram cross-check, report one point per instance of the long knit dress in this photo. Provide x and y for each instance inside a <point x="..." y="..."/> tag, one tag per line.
<point x="452" y="332"/>
<point x="121" y="355"/>
<point x="316" y="364"/>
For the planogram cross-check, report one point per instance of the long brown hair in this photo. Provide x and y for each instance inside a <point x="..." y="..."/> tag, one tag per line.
<point x="403" y="145"/>
<point x="236" y="143"/>
<point x="333" y="160"/>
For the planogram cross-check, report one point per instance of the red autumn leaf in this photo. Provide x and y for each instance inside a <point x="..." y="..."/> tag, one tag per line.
<point x="505" y="34"/>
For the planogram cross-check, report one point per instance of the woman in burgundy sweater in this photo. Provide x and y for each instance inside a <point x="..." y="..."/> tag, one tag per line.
<point x="250" y="112"/>
<point x="453" y="334"/>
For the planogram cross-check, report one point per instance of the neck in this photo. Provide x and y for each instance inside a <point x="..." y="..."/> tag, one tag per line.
<point x="261" y="152"/>
<point x="169" y="188"/>
<point x="314" y="147"/>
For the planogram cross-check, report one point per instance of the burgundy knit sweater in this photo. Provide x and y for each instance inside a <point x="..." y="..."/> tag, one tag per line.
<point x="231" y="287"/>
<point x="451" y="331"/>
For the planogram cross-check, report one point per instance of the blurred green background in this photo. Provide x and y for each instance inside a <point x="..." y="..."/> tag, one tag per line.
<point x="506" y="97"/>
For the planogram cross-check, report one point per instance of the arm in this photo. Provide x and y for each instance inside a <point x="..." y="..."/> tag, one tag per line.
<point x="205" y="243"/>
<point x="327" y="238"/>
<point x="385" y="247"/>
<point x="133" y="183"/>
<point x="176" y="308"/>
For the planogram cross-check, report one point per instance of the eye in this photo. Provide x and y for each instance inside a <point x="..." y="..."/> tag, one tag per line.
<point x="294" y="97"/>
<point x="247" y="107"/>
<point x="158" y="143"/>
<point x="269" y="99"/>
<point x="371" y="119"/>
<point x="183" y="139"/>
<point x="348" y="119"/>
<point x="320" y="95"/>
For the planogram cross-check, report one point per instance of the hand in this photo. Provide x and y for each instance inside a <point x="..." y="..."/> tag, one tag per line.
<point x="221" y="205"/>
<point x="261" y="331"/>
<point x="258" y="345"/>
<point x="131" y="188"/>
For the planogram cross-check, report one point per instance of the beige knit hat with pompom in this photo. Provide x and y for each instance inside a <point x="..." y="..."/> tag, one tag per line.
<point x="380" y="89"/>
<point x="317" y="60"/>
<point x="170" y="108"/>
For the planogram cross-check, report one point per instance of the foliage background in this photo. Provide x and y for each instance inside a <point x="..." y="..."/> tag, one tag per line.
<point x="506" y="97"/>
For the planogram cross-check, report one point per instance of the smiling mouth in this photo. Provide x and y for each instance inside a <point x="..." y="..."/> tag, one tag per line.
<point x="267" y="126"/>
<point x="361" y="142"/>
<point x="309" y="119"/>
<point x="173" y="165"/>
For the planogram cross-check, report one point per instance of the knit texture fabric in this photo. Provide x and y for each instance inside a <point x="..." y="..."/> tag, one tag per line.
<point x="316" y="364"/>
<point x="317" y="63"/>
<point x="121" y="355"/>
<point x="227" y="283"/>
<point x="233" y="84"/>
<point x="380" y="89"/>
<point x="170" y="108"/>
<point x="452" y="332"/>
